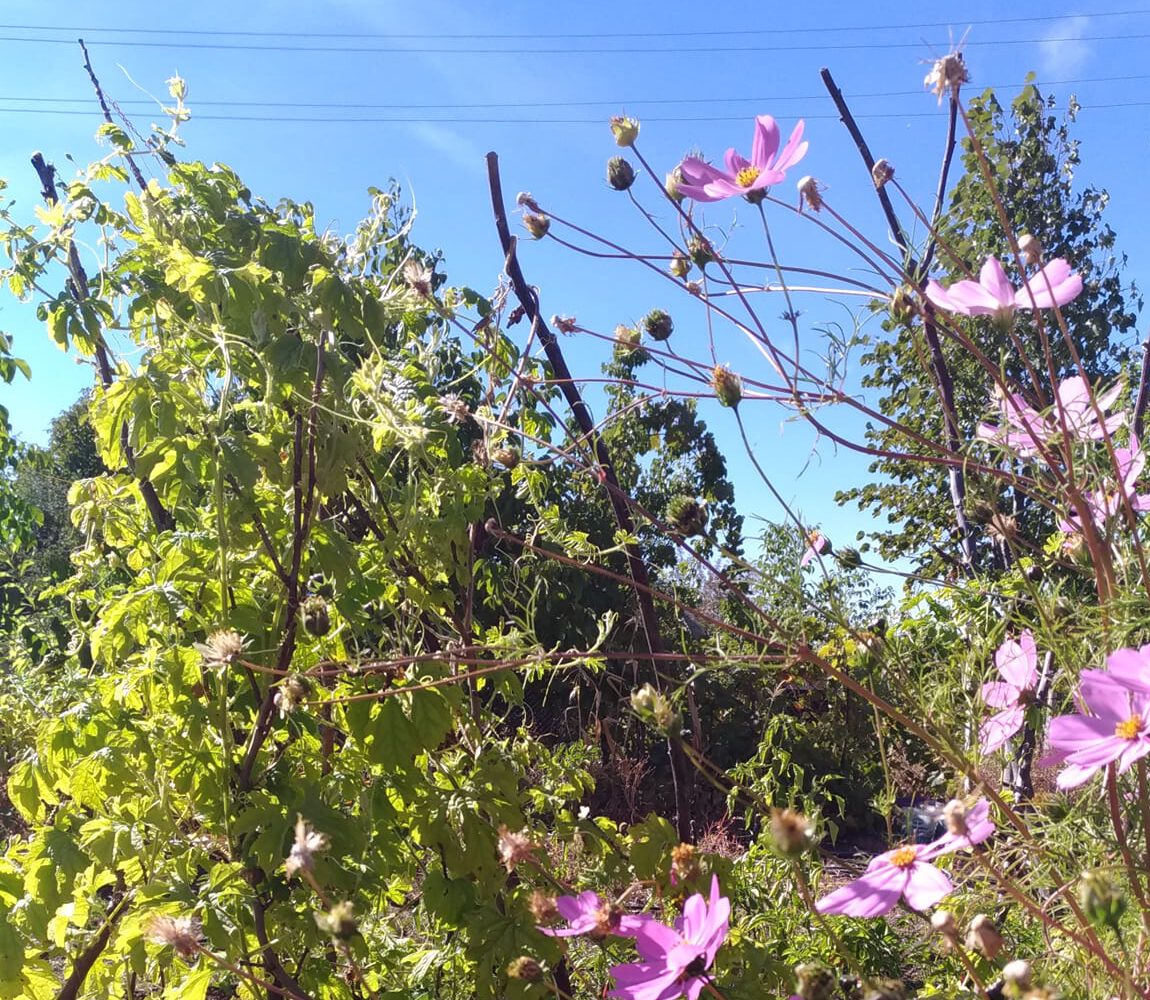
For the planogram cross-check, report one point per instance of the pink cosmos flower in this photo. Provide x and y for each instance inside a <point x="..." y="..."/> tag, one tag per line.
<point x="1017" y="664"/>
<point x="1105" y="504"/>
<point x="906" y="873"/>
<point x="588" y="914"/>
<point x="818" y="544"/>
<point x="704" y="182"/>
<point x="675" y="959"/>
<point x="994" y="295"/>
<point x="1024" y="429"/>
<point x="1117" y="730"/>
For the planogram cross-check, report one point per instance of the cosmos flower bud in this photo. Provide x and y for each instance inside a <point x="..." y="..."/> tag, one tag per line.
<point x="525" y="968"/>
<point x="658" y="324"/>
<point x="815" y="982"/>
<point x="792" y="832"/>
<point x="625" y="130"/>
<point x="954" y="815"/>
<point x="537" y="225"/>
<point x="316" y="617"/>
<point x="809" y="193"/>
<point x="565" y="324"/>
<point x="671" y="184"/>
<point x="527" y="200"/>
<point x="339" y="921"/>
<point x="701" y="251"/>
<point x="881" y="172"/>
<point x="687" y="515"/>
<point x="1030" y="249"/>
<point x="620" y="173"/>
<point x="727" y="385"/>
<point x="1017" y="974"/>
<point x="848" y="557"/>
<point x="680" y="264"/>
<point x="982" y="936"/>
<point x="515" y="847"/>
<point x="181" y="933"/>
<point x="1101" y="899"/>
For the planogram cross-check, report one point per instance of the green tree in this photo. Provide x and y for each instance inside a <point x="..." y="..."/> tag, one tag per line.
<point x="1033" y="158"/>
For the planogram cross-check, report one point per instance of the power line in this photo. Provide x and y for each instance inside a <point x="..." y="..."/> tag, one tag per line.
<point x="819" y="29"/>
<point x="389" y="105"/>
<point x="269" y="119"/>
<point x="570" y="50"/>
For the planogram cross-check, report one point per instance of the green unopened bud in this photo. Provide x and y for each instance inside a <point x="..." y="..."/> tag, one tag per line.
<point x="727" y="385"/>
<point x="687" y="516"/>
<point x="316" y="617"/>
<point x="671" y="184"/>
<point x="701" y="251"/>
<point x="680" y="264"/>
<point x="1101" y="899"/>
<point x="339" y="921"/>
<point x="625" y="130"/>
<point x="903" y="304"/>
<point x="815" y="982"/>
<point x="620" y="173"/>
<point x="654" y="707"/>
<point x="525" y="968"/>
<point x="848" y="557"/>
<point x="537" y="225"/>
<point x="658" y="324"/>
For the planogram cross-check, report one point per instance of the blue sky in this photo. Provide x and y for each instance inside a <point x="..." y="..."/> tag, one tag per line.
<point x="445" y="82"/>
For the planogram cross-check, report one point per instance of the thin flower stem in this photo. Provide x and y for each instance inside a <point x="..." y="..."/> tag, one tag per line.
<point x="808" y="897"/>
<point x="248" y="976"/>
<point x="1123" y="846"/>
<point x="971" y="971"/>
<point x="711" y="988"/>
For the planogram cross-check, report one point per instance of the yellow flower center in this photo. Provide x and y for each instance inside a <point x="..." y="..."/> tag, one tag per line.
<point x="904" y="857"/>
<point x="747" y="176"/>
<point x="1130" y="729"/>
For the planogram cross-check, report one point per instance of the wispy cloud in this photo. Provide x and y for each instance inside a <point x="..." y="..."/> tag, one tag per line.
<point x="457" y="148"/>
<point x="1063" y="51"/>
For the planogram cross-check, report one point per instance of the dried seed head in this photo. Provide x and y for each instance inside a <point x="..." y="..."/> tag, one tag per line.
<point x="316" y="617"/>
<point x="625" y="130"/>
<point x="727" y="385"/>
<point x="849" y="557"/>
<point x="903" y="304"/>
<point x="455" y="409"/>
<point x="418" y="277"/>
<point x="1030" y="249"/>
<point x="671" y="184"/>
<point x="291" y="693"/>
<point x="680" y="264"/>
<point x="885" y="989"/>
<point x="687" y="515"/>
<point x="525" y="968"/>
<point x="881" y="172"/>
<point x="810" y="193"/>
<point x="307" y="844"/>
<point x="944" y="924"/>
<point x="536" y="224"/>
<point x="654" y="707"/>
<point x="1003" y="528"/>
<point x="684" y="863"/>
<point x="515" y="847"/>
<point x="542" y="908"/>
<point x="222" y="647"/>
<point x="506" y="456"/>
<point x="1017" y="974"/>
<point x="792" y="832"/>
<point x="565" y="324"/>
<point x="815" y="982"/>
<point x="701" y="251"/>
<point x="620" y="173"/>
<point x="982" y="936"/>
<point x="947" y="75"/>
<point x="526" y="200"/>
<point x="181" y="933"/>
<point x="339" y="921"/>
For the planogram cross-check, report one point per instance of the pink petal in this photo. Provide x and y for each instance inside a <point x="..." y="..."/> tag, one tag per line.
<point x="1074" y="775"/>
<point x="1054" y="284"/>
<point x="1077" y="732"/>
<point x="996" y="730"/>
<point x="926" y="886"/>
<point x="999" y="694"/>
<point x="794" y="150"/>
<point x="970" y="299"/>
<point x="766" y="141"/>
<point x="872" y="895"/>
<point x="655" y="940"/>
<point x="1134" y="751"/>
<point x="735" y="162"/>
<point x="993" y="278"/>
<point x="938" y="296"/>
